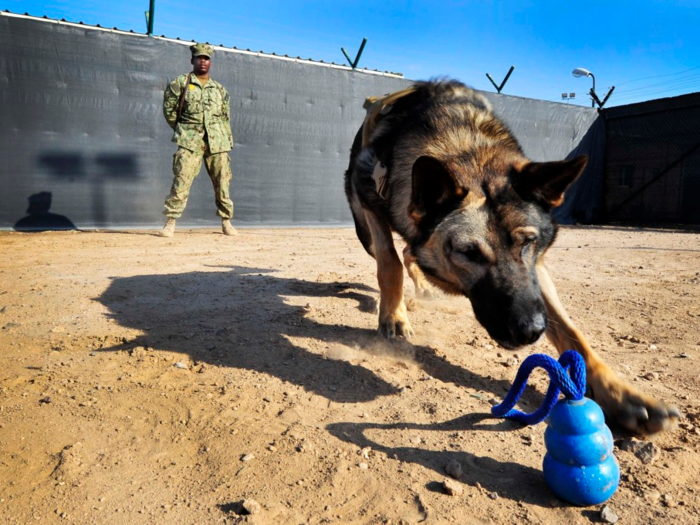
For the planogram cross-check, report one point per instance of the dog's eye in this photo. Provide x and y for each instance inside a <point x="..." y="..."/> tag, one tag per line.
<point x="526" y="243"/>
<point x="528" y="240"/>
<point x="474" y="255"/>
<point x="467" y="254"/>
<point x="524" y="236"/>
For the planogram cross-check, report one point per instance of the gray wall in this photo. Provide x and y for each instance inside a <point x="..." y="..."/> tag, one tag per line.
<point x="653" y="162"/>
<point x="81" y="120"/>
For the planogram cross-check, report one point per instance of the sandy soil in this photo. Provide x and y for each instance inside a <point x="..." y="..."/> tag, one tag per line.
<point x="150" y="380"/>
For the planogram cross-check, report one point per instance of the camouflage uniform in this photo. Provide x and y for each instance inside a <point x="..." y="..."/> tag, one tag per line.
<point x="203" y="131"/>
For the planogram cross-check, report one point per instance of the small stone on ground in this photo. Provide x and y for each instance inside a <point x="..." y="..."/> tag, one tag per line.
<point x="452" y="487"/>
<point x="608" y="515"/>
<point x="454" y="469"/>
<point x="251" y="506"/>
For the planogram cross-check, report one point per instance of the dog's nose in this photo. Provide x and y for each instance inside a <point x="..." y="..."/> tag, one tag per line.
<point x="527" y="330"/>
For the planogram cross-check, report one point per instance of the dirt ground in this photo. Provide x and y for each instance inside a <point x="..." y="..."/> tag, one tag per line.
<point x="157" y="381"/>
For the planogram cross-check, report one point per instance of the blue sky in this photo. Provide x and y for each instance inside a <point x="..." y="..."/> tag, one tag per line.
<point x="647" y="49"/>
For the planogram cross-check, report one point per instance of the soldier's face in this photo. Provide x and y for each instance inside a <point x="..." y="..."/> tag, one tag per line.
<point x="201" y="65"/>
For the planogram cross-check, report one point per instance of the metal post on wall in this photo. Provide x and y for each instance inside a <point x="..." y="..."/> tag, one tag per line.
<point x="150" y="15"/>
<point x="357" y="57"/>
<point x="499" y="88"/>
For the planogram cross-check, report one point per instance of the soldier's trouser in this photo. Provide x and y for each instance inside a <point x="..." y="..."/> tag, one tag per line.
<point x="186" y="167"/>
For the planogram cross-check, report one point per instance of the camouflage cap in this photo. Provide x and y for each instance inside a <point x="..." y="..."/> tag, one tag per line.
<point x="201" y="50"/>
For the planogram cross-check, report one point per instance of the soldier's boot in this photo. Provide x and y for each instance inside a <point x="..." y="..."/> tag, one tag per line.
<point x="227" y="227"/>
<point x="169" y="228"/>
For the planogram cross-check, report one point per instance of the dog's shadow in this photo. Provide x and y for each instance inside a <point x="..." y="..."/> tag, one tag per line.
<point x="240" y="318"/>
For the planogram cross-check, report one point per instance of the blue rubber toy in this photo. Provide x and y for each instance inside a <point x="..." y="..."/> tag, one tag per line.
<point x="579" y="465"/>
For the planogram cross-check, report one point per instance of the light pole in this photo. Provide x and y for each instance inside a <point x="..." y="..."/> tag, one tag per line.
<point x="580" y="72"/>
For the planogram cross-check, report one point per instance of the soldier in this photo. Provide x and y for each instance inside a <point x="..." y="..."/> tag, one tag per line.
<point x="197" y="108"/>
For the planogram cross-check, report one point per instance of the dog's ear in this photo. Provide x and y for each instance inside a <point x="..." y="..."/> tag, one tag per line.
<point x="546" y="182"/>
<point x="433" y="186"/>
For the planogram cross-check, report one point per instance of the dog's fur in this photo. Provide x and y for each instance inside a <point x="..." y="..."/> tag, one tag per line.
<point x="434" y="164"/>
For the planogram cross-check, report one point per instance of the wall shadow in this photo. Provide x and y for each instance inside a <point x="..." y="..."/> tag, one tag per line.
<point x="39" y="218"/>
<point x="75" y="165"/>
<point x="63" y="165"/>
<point x="101" y="172"/>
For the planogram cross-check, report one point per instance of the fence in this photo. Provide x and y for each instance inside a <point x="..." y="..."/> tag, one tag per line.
<point x="653" y="162"/>
<point x="83" y="136"/>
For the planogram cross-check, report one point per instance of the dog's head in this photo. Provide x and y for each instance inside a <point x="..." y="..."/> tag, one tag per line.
<point x="483" y="237"/>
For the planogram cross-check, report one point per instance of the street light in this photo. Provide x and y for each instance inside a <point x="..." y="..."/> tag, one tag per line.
<point x="580" y="72"/>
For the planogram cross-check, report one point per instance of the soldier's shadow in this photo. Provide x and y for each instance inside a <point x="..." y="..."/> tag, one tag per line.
<point x="241" y="318"/>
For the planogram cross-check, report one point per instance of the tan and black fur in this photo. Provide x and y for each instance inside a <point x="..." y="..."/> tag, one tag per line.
<point x="434" y="164"/>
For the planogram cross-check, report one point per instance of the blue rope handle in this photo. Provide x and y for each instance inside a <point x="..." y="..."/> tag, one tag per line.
<point x="572" y="386"/>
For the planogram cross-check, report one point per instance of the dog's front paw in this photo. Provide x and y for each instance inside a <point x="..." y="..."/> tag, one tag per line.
<point x="395" y="325"/>
<point x="628" y="407"/>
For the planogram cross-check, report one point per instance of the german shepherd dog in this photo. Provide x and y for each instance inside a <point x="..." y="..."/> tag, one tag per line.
<point x="433" y="163"/>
